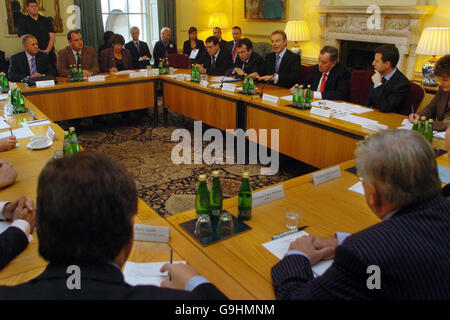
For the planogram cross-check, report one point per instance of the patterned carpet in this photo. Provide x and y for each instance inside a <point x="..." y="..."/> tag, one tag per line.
<point x="146" y="153"/>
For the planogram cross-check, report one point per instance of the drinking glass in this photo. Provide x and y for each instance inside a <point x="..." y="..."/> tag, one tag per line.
<point x="292" y="217"/>
<point x="225" y="226"/>
<point x="203" y="226"/>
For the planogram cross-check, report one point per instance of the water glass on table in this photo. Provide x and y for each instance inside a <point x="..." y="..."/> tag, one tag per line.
<point x="292" y="217"/>
<point x="225" y="226"/>
<point x="203" y="226"/>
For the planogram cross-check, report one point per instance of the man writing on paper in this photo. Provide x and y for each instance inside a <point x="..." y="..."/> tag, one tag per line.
<point x="76" y="53"/>
<point x="215" y="60"/>
<point x="409" y="248"/>
<point x="329" y="79"/>
<point x="86" y="204"/>
<point x="30" y="63"/>
<point x="281" y="67"/>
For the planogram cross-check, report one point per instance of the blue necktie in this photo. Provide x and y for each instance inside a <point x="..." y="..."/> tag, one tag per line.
<point x="277" y="63"/>
<point x="33" y="68"/>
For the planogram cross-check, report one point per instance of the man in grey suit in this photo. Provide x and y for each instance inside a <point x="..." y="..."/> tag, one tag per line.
<point x="76" y="53"/>
<point x="408" y="252"/>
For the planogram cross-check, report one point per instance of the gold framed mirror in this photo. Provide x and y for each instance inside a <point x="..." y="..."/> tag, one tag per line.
<point x="15" y="11"/>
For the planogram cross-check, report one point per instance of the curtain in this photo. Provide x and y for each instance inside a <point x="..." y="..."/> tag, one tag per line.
<point x="166" y="16"/>
<point x="91" y="22"/>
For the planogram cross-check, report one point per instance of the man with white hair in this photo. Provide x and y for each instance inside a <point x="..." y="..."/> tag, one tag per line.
<point x="164" y="47"/>
<point x="409" y="249"/>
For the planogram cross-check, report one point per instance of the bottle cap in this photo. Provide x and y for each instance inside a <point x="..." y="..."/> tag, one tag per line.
<point x="423" y="118"/>
<point x="72" y="129"/>
<point x="309" y="86"/>
<point x="245" y="175"/>
<point x="430" y="120"/>
<point x="66" y="133"/>
<point x="416" y="121"/>
<point x="202" y="177"/>
<point x="216" y="174"/>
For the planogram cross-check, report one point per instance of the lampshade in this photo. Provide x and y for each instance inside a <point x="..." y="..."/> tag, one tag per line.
<point x="297" y="31"/>
<point x="434" y="42"/>
<point x="218" y="20"/>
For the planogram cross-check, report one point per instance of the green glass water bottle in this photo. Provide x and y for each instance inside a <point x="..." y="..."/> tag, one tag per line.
<point x="416" y="125"/>
<point x="193" y="75"/>
<point x="74" y="140"/>
<point x="423" y="125"/>
<point x="301" y="98"/>
<point x="67" y="145"/>
<point x="202" y="199"/>
<point x="245" y="84"/>
<point x="197" y="73"/>
<point x="251" y="85"/>
<point x="215" y="196"/>
<point x="429" y="131"/>
<point x="296" y="96"/>
<point x="161" y="67"/>
<point x="308" y="97"/>
<point x="245" y="198"/>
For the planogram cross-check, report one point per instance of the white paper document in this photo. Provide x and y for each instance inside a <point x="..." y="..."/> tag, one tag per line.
<point x="123" y="72"/>
<point x="3" y="96"/>
<point x="440" y="135"/>
<point x="358" y="188"/>
<point x="4" y="124"/>
<point x="36" y="123"/>
<point x="280" y="247"/>
<point x="288" y="98"/>
<point x="342" y="106"/>
<point x="223" y="79"/>
<point x="194" y="54"/>
<point x="21" y="133"/>
<point x="145" y="273"/>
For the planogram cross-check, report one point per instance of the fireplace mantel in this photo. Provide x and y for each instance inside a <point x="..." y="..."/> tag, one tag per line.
<point x="399" y="25"/>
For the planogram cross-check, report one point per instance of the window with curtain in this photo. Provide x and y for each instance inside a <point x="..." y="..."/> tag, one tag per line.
<point x="120" y="15"/>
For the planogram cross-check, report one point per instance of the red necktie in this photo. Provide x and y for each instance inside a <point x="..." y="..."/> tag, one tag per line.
<point x="324" y="80"/>
<point x="233" y="54"/>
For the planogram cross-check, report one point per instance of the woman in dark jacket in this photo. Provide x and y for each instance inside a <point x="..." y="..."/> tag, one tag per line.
<point x="116" y="58"/>
<point x="193" y="43"/>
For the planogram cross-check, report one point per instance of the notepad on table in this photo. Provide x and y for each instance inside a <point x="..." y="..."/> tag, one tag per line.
<point x="280" y="247"/>
<point x="145" y="273"/>
<point x="21" y="133"/>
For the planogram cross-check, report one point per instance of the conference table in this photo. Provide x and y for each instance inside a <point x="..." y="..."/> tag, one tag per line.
<point x="318" y="141"/>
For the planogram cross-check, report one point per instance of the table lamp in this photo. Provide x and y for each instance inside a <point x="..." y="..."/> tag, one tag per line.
<point x="434" y="42"/>
<point x="297" y="31"/>
<point x="218" y="20"/>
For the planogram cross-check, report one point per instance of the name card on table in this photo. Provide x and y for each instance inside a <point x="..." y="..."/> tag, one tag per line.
<point x="326" y="175"/>
<point x="268" y="195"/>
<point x="138" y="75"/>
<point x="269" y="98"/>
<point x="151" y="233"/>
<point x="228" y="87"/>
<point x="204" y="83"/>
<point x="374" y="126"/>
<point x="44" y="84"/>
<point x="321" y="112"/>
<point x="97" y="79"/>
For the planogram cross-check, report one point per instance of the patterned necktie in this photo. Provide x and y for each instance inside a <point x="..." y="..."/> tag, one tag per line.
<point x="234" y="52"/>
<point x="277" y="64"/>
<point x="324" y="80"/>
<point x="33" y="68"/>
<point x="78" y="59"/>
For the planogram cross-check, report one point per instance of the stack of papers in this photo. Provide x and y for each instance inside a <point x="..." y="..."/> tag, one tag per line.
<point x="223" y="79"/>
<point x="123" y="72"/>
<point x="342" y="106"/>
<point x="21" y="133"/>
<point x="280" y="247"/>
<point x="145" y="273"/>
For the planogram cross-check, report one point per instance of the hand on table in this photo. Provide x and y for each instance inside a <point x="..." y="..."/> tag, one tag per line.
<point x="413" y="117"/>
<point x="306" y="244"/>
<point x="7" y="174"/>
<point x="180" y="273"/>
<point x="7" y="143"/>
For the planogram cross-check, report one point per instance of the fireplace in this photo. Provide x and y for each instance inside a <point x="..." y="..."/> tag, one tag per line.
<point x="357" y="55"/>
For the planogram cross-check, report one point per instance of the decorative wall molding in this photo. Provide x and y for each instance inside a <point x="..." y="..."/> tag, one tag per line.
<point x="400" y="25"/>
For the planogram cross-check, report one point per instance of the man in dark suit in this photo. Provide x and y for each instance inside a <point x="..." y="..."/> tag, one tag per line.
<point x="86" y="205"/>
<point x="3" y="63"/>
<point x="76" y="53"/>
<point x="232" y="47"/>
<point x="446" y="190"/>
<point x="390" y="87"/>
<point x="281" y="67"/>
<point x="139" y="50"/>
<point x="15" y="238"/>
<point x="217" y="32"/>
<point x="30" y="63"/>
<point x="164" y="47"/>
<point x="403" y="257"/>
<point x="329" y="80"/>
<point x="215" y="61"/>
<point x="247" y="61"/>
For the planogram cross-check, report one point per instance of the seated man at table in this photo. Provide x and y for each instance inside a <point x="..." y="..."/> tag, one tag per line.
<point x="139" y="50"/>
<point x="15" y="238"/>
<point x="164" y="47"/>
<point x="439" y="108"/>
<point x="408" y="250"/>
<point x="247" y="61"/>
<point x="390" y="87"/>
<point x="329" y="79"/>
<point x="30" y="63"/>
<point x="281" y="67"/>
<point x="76" y="53"/>
<point x="86" y="204"/>
<point x="214" y="60"/>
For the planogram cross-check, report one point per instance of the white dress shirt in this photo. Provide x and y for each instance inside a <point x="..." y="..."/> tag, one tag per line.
<point x="19" y="223"/>
<point x="317" y="93"/>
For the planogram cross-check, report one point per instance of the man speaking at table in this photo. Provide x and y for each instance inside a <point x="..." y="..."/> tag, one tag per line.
<point x="76" y="53"/>
<point x="403" y="257"/>
<point x="281" y="67"/>
<point x="86" y="204"/>
<point x="214" y="60"/>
